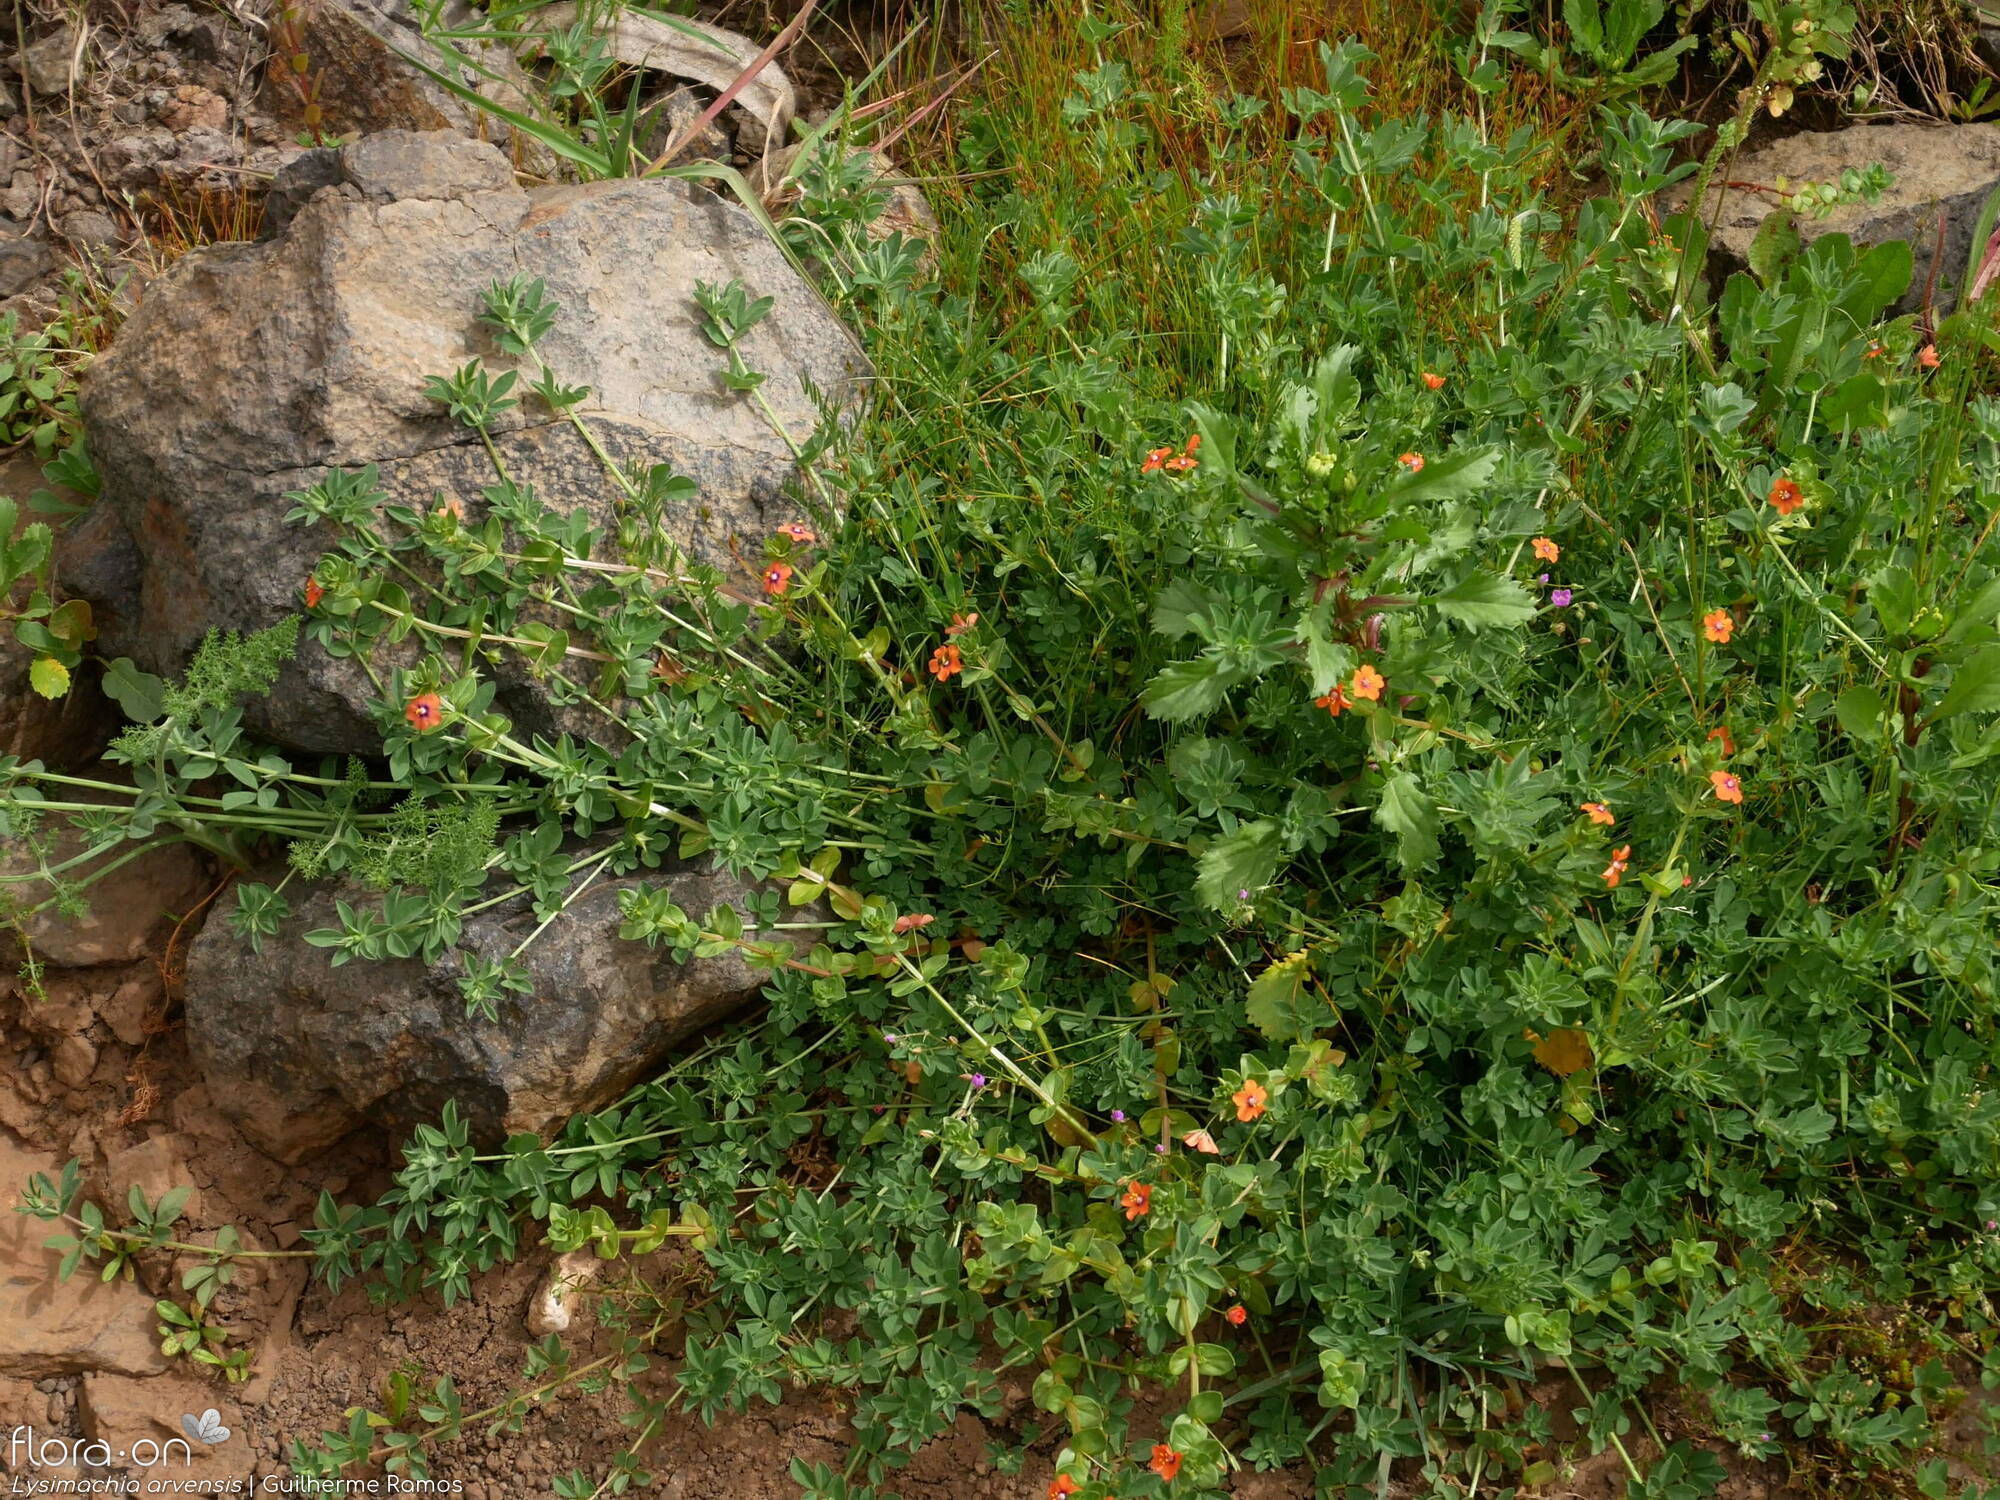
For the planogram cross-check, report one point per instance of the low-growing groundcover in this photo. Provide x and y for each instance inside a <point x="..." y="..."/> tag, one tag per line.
<point x="1404" y="801"/>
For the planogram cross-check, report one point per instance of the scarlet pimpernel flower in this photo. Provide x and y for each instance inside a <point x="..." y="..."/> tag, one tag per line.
<point x="1621" y="860"/>
<point x="1546" y="550"/>
<point x="1334" y="701"/>
<point x="1433" y="382"/>
<point x="777" y="578"/>
<point x="798" y="533"/>
<point x="425" y="712"/>
<point x="1599" y="814"/>
<point x="1250" y="1100"/>
<point x="1136" y="1200"/>
<point x="1237" y="1316"/>
<point x="1368" y="683"/>
<point x="1726" y="787"/>
<point x="946" y="663"/>
<point x="314" y="593"/>
<point x="1786" y="496"/>
<point x="1718" y="625"/>
<point x="1414" y="462"/>
<point x="1166" y="1462"/>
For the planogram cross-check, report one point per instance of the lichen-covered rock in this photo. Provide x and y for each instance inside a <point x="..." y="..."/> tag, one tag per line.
<point x="251" y="370"/>
<point x="298" y="1052"/>
<point x="1941" y="173"/>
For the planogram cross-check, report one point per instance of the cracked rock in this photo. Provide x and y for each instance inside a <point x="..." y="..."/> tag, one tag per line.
<point x="251" y="370"/>
<point x="297" y="1053"/>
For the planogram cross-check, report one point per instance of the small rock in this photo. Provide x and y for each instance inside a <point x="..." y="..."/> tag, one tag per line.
<point x="554" y="1306"/>
<point x="91" y="230"/>
<point x="23" y="197"/>
<point x="130" y="1009"/>
<point x="194" y="107"/>
<point x="1941" y="172"/>
<point x="123" y="906"/>
<point x="10" y="104"/>
<point x="46" y="64"/>
<point x="665" y="121"/>
<point x="155" y="1167"/>
<point x="122" y="1411"/>
<point x="24" y="260"/>
<point x="53" y="1327"/>
<point x="75" y="1059"/>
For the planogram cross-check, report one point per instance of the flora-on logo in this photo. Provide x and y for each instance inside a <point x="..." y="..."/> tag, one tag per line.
<point x="206" y="1428"/>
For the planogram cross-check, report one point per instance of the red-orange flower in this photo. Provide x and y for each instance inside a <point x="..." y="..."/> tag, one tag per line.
<point x="1237" y="1315"/>
<point x="1062" y="1485"/>
<point x="1136" y="1200"/>
<point x="1727" y="787"/>
<point x="1434" y="382"/>
<point x="1621" y="859"/>
<point x="1599" y="814"/>
<point x="1718" y="625"/>
<point x="1414" y="462"/>
<point x="1334" y="701"/>
<point x="1249" y="1100"/>
<point x="1172" y="462"/>
<point x="911" y="921"/>
<point x="960" y="624"/>
<point x="1785" y="495"/>
<point x="798" y="533"/>
<point x="1545" y="549"/>
<point x="946" y="663"/>
<point x="1928" y="357"/>
<point x="314" y="593"/>
<point x="1368" y="683"/>
<point x="425" y="712"/>
<point x="1721" y="732"/>
<point x="1166" y="1462"/>
<point x="777" y="578"/>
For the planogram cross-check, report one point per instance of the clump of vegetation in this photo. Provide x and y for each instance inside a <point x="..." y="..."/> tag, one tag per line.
<point x="1406" y="802"/>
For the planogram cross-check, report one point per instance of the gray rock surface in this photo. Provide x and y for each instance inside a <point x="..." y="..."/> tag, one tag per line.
<point x="1941" y="172"/>
<point x="250" y="370"/>
<point x="298" y="1053"/>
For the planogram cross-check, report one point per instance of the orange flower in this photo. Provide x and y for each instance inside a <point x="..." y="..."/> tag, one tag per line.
<point x="1434" y="382"/>
<point x="1136" y="1200"/>
<point x="1334" y="701"/>
<point x="1414" y="462"/>
<point x="1786" y="496"/>
<point x="1172" y="462"/>
<point x="1249" y="1100"/>
<point x="777" y="578"/>
<point x="1718" y="625"/>
<point x="1545" y="549"/>
<point x="1599" y="814"/>
<point x="1368" y="683"/>
<point x="960" y="624"/>
<point x="946" y="662"/>
<point x="1237" y="1315"/>
<point x="425" y="712"/>
<point x="911" y="921"/>
<point x="798" y="533"/>
<point x="1727" y="787"/>
<point x="1621" y="858"/>
<point x="314" y="593"/>
<point x="1202" y="1141"/>
<point x="1062" y="1485"/>
<point x="1928" y="357"/>
<point x="1728" y="741"/>
<point x="454" y="507"/>
<point x="1873" y="351"/>
<point x="1166" y="1462"/>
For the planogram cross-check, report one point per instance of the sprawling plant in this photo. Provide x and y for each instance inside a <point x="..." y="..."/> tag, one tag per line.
<point x="1404" y="802"/>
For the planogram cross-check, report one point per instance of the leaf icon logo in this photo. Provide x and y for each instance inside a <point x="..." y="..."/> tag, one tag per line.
<point x="206" y="1428"/>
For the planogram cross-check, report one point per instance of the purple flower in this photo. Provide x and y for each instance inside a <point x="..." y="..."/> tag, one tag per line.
<point x="891" y="1038"/>
<point x="1119" y="1116"/>
<point x="979" y="1080"/>
<point x="1243" y="895"/>
<point x="1559" y="598"/>
<point x="1541" y="578"/>
<point x="1160" y="1149"/>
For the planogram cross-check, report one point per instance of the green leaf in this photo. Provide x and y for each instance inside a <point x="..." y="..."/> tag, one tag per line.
<point x="1776" y="241"/>
<point x="1860" y="711"/>
<point x="49" y="677"/>
<point x="1483" y="601"/>
<point x="1239" y="864"/>
<point x="141" y="695"/>
<point x="1975" y="686"/>
<point x="1280" y="1004"/>
<point x="1188" y="689"/>
<point x="1406" y="812"/>
<point x="1451" y="477"/>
